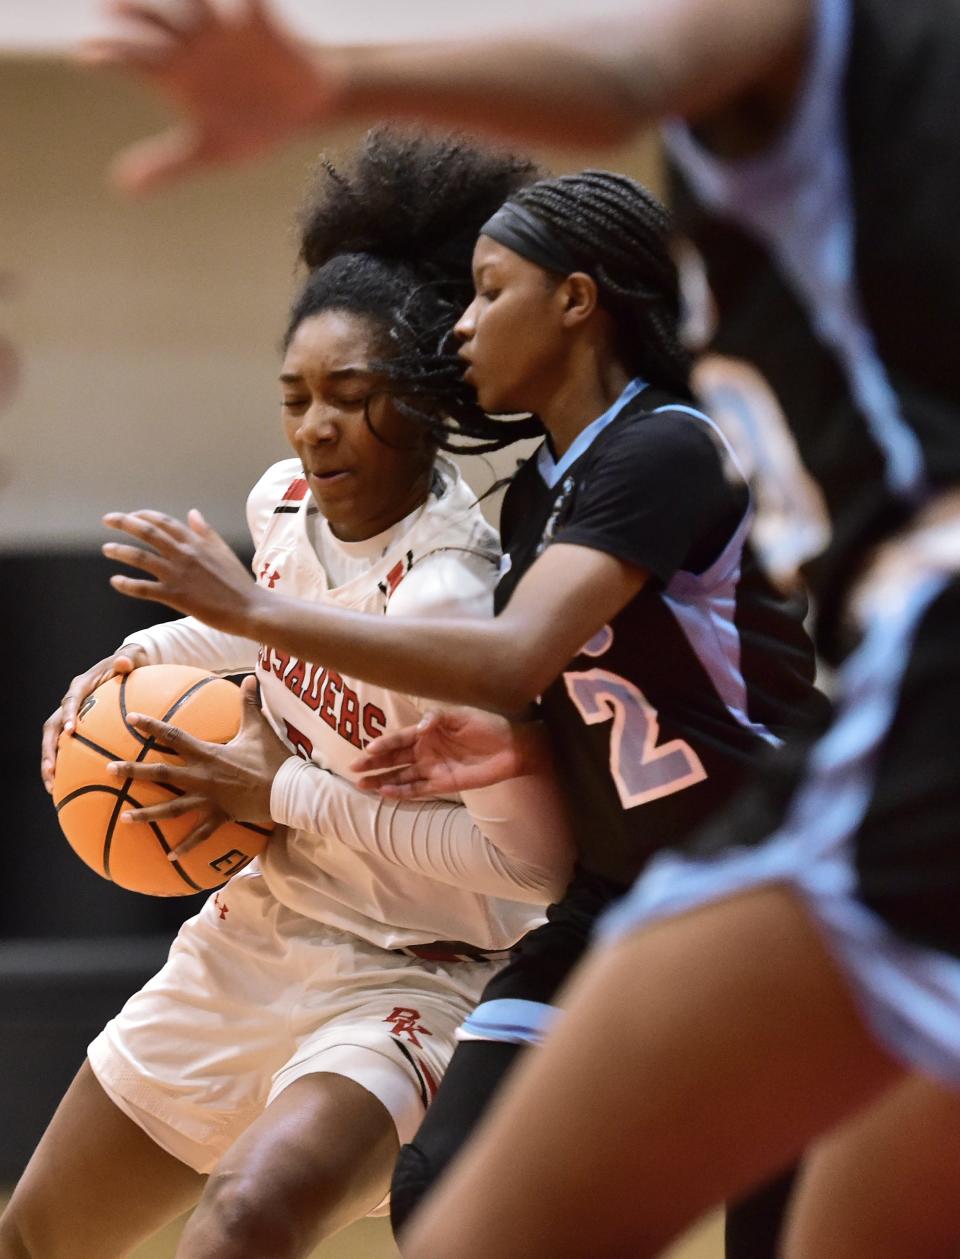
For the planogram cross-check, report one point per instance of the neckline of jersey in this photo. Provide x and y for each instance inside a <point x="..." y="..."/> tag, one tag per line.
<point x="552" y="470"/>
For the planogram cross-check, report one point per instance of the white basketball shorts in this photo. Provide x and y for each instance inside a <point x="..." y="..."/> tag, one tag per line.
<point x="252" y="997"/>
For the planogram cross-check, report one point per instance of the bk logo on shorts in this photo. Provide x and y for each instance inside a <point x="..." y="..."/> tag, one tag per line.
<point x="406" y="1022"/>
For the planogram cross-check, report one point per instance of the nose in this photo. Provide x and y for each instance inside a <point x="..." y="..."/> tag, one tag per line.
<point x="319" y="425"/>
<point x="466" y="325"/>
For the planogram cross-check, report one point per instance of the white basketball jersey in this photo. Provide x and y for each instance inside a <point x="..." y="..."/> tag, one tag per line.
<point x="441" y="561"/>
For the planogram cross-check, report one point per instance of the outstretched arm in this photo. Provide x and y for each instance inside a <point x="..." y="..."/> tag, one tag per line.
<point x="242" y="84"/>
<point x="567" y="596"/>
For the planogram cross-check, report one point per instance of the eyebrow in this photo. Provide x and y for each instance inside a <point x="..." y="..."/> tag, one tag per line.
<point x="339" y="373"/>
<point x="481" y="268"/>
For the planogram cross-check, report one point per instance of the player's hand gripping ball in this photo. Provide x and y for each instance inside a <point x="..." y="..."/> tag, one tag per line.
<point x="89" y="801"/>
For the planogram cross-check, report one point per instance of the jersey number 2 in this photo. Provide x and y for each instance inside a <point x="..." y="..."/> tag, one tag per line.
<point x="641" y="770"/>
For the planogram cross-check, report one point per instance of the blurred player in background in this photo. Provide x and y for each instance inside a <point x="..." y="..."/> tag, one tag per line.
<point x="306" y="1015"/>
<point x="814" y="175"/>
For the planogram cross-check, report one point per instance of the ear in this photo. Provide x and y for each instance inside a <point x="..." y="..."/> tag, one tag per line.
<point x="579" y="297"/>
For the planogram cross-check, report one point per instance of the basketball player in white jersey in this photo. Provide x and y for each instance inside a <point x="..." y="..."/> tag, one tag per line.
<point x="305" y="1016"/>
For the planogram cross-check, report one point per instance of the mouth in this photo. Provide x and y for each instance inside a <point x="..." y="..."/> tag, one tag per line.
<point x="331" y="477"/>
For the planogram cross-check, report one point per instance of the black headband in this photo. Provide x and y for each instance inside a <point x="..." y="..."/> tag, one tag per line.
<point x="521" y="231"/>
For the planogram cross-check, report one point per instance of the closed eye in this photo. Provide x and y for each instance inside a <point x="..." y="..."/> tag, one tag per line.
<point x="295" y="405"/>
<point x="352" y="401"/>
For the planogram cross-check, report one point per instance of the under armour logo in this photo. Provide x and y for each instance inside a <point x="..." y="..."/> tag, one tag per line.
<point x="266" y="578"/>
<point x="220" y="905"/>
<point x="406" y="1023"/>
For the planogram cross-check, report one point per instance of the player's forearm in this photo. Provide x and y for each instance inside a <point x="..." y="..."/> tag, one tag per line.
<point x="518" y="848"/>
<point x="587" y="84"/>
<point x="483" y="663"/>
<point x="525" y="819"/>
<point x="525" y="90"/>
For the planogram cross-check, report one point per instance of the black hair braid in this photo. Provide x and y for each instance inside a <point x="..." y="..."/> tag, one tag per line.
<point x="622" y="233"/>
<point x="391" y="239"/>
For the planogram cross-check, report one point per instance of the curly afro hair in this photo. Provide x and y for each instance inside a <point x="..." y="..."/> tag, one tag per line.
<point x="391" y="239"/>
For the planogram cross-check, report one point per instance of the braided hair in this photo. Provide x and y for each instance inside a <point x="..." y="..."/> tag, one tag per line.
<point x="620" y="234"/>
<point x="391" y="239"/>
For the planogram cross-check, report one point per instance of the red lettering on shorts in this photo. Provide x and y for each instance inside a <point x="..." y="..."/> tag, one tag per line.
<point x="406" y="1022"/>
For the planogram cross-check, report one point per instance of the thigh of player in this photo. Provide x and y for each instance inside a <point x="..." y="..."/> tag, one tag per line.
<point x="885" y="1183"/>
<point x="96" y="1185"/>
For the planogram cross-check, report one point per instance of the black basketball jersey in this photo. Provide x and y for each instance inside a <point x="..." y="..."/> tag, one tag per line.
<point x="834" y="267"/>
<point x="658" y="717"/>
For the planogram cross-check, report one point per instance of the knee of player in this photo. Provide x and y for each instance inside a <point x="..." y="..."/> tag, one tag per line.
<point x="15" y="1241"/>
<point x="248" y="1218"/>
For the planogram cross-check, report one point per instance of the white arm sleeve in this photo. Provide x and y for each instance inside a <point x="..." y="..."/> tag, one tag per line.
<point x="436" y="838"/>
<point x="190" y="642"/>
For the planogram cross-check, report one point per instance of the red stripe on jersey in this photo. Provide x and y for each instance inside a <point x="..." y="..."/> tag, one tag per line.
<point x="295" y="491"/>
<point x="395" y="576"/>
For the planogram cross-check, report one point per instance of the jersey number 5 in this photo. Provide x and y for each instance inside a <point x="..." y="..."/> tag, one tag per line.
<point x="641" y="770"/>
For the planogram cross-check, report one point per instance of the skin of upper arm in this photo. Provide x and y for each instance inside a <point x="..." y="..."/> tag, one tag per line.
<point x="605" y="78"/>
<point x="566" y="596"/>
<point x="692" y="57"/>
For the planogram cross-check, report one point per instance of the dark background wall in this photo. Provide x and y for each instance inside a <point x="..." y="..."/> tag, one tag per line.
<point x="74" y="946"/>
<point x="60" y="616"/>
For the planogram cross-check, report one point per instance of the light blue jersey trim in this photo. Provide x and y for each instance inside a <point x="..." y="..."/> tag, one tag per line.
<point x="797" y="199"/>
<point x="551" y="471"/>
<point x="909" y="994"/>
<point x="705" y="604"/>
<point x="511" y="1020"/>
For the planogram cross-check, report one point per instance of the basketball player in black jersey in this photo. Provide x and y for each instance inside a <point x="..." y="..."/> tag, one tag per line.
<point x="629" y="600"/>
<point x="818" y="187"/>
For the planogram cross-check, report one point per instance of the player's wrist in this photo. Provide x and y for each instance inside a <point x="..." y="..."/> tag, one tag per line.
<point x="532" y="746"/>
<point x="255" y="614"/>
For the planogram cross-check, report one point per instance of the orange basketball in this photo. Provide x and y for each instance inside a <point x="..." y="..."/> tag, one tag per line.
<point x="89" y="801"/>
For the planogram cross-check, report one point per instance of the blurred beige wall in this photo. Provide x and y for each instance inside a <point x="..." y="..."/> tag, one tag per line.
<point x="146" y="332"/>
